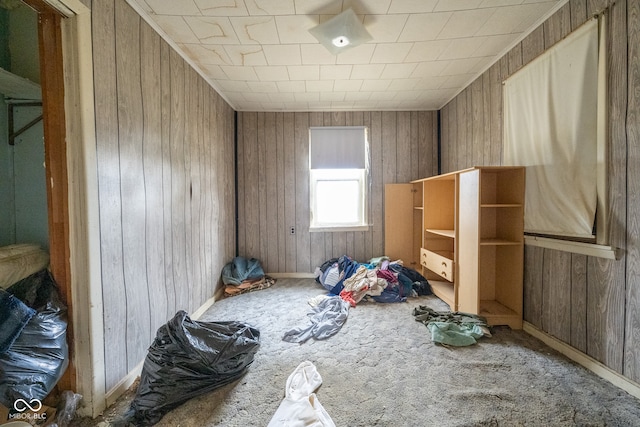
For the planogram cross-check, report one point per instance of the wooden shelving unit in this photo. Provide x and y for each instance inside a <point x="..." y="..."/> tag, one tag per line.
<point x="468" y="229"/>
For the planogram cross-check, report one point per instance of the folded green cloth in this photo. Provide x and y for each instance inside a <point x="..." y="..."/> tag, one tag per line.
<point x="456" y="335"/>
<point x="452" y="328"/>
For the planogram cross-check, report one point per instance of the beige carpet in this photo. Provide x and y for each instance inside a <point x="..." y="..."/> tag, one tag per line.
<point x="381" y="369"/>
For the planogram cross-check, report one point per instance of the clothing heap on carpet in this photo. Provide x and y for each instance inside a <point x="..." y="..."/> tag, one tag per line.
<point x="452" y="328"/>
<point x="348" y="283"/>
<point x="243" y="275"/>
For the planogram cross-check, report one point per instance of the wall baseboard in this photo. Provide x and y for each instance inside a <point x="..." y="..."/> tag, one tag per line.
<point x="292" y="275"/>
<point x="588" y="362"/>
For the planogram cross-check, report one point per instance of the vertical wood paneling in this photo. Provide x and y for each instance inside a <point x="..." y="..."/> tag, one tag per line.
<point x="155" y="146"/>
<point x="242" y="211"/>
<point x="589" y="303"/>
<point x="458" y="150"/>
<point x="556" y="294"/>
<point x="477" y="125"/>
<point x="533" y="284"/>
<point x="287" y="171"/>
<point x="108" y="159"/>
<point x="578" y="302"/>
<point x="301" y="141"/>
<point x="632" y="321"/>
<point x="131" y="175"/>
<point x="486" y="142"/>
<point x="262" y="211"/>
<point x="289" y="190"/>
<point x="152" y="162"/>
<point x="271" y="260"/>
<point x="607" y="278"/>
<point x="251" y="192"/>
<point x="178" y="200"/>
<point x="165" y="130"/>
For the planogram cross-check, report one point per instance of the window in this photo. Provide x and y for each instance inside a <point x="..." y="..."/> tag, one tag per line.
<point x="339" y="178"/>
<point x="552" y="110"/>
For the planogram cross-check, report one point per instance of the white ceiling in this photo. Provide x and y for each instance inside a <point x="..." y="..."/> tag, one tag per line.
<point x="260" y="56"/>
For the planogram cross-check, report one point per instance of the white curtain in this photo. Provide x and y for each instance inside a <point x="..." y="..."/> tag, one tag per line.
<point x="550" y="126"/>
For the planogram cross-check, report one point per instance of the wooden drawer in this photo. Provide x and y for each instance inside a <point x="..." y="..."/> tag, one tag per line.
<point x="438" y="262"/>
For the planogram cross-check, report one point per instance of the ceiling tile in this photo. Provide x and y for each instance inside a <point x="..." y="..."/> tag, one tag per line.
<point x="367" y="71"/>
<point x="432" y="82"/>
<point x="317" y="7"/>
<point x="256" y="30"/>
<point x="319" y="85"/>
<point x="424" y="26"/>
<point x="398" y="71"/>
<point x="282" y="97"/>
<point x="212" y="30"/>
<point x="347" y="85"/>
<point x="206" y="54"/>
<point x="288" y="86"/>
<point x="389" y="53"/>
<point x="456" y="82"/>
<point x="461" y="66"/>
<point x="465" y="23"/>
<point x="376" y="85"/>
<point x="233" y="85"/>
<point x="213" y="71"/>
<point x="248" y="55"/>
<point x="272" y="74"/>
<point x="497" y="3"/>
<point x="412" y="6"/>
<point x="358" y="55"/>
<point x="262" y="87"/>
<point x="284" y="54"/>
<point x="316" y="54"/>
<point x="304" y="72"/>
<point x="295" y="28"/>
<point x="427" y="51"/>
<point x="332" y="96"/>
<point x="220" y="7"/>
<point x="178" y="28"/>
<point x="378" y="7"/>
<point x="178" y="7"/>
<point x="335" y="72"/>
<point x="239" y="73"/>
<point x="270" y="7"/>
<point x="444" y="5"/>
<point x="357" y="96"/>
<point x="404" y="84"/>
<point x="462" y="48"/>
<point x="385" y="28"/>
<point x="428" y="69"/>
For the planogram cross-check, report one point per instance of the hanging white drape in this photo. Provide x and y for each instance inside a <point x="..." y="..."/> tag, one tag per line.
<point x="550" y="126"/>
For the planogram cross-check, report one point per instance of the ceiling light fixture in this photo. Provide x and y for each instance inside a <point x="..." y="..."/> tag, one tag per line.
<point x="341" y="32"/>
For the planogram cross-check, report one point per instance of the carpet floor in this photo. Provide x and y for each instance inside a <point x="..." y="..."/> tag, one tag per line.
<point x="382" y="369"/>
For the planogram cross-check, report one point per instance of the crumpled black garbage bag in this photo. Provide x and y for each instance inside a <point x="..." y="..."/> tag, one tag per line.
<point x="240" y="269"/>
<point x="37" y="359"/>
<point x="187" y="359"/>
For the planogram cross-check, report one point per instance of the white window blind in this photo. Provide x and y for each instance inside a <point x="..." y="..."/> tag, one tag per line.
<point x="339" y="178"/>
<point x="550" y="126"/>
<point x="338" y="147"/>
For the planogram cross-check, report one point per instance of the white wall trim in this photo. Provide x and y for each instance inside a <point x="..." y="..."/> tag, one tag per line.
<point x="588" y="362"/>
<point x="84" y="227"/>
<point x="292" y="275"/>
<point x="590" y="249"/>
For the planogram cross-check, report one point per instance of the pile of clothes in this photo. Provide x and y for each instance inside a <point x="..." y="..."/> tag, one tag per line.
<point x="243" y="275"/>
<point x="381" y="279"/>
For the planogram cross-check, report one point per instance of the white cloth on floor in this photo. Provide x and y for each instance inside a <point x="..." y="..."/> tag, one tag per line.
<point x="300" y="406"/>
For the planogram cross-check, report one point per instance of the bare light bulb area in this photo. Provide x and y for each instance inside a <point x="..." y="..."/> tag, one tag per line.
<point x="340" y="41"/>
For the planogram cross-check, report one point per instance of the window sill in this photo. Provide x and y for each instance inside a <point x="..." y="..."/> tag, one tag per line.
<point x="590" y="249"/>
<point x="338" y="229"/>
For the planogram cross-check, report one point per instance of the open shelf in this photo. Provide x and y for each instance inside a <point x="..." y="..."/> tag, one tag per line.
<point x="445" y="233"/>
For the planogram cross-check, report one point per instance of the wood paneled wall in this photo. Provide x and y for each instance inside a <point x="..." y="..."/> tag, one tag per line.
<point x="273" y="178"/>
<point x="165" y="148"/>
<point x="592" y="304"/>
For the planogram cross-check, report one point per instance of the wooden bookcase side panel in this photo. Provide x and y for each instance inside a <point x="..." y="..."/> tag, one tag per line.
<point x="468" y="279"/>
<point x="399" y="223"/>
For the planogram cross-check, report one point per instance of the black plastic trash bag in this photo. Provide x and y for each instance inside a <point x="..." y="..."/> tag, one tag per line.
<point x="240" y="269"/>
<point x="36" y="360"/>
<point x="188" y="359"/>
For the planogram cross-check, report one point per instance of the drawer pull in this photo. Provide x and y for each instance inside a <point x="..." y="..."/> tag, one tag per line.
<point x="444" y="264"/>
<point x="443" y="274"/>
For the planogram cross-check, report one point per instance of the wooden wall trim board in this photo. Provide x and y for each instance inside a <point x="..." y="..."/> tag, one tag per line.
<point x="579" y="357"/>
